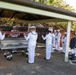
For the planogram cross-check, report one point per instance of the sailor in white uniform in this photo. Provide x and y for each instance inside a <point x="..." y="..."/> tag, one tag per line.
<point x="64" y="42"/>
<point x="32" y="38"/>
<point x="49" y="41"/>
<point x="14" y="35"/>
<point x="54" y="42"/>
<point x="57" y="39"/>
<point x="2" y="36"/>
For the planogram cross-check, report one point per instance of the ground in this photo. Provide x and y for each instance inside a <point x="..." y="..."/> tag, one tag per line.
<point x="19" y="66"/>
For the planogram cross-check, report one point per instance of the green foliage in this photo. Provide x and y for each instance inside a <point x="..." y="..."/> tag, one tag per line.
<point x="74" y="26"/>
<point x="40" y="1"/>
<point x="59" y="25"/>
<point x="60" y="4"/>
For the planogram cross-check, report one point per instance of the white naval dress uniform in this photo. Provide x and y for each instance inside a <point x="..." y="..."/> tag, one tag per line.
<point x="57" y="39"/>
<point x="64" y="44"/>
<point x="2" y="36"/>
<point x="32" y="38"/>
<point x="54" y="42"/>
<point x="49" y="39"/>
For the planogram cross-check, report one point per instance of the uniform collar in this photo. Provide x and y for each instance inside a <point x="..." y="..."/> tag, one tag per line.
<point x="33" y="32"/>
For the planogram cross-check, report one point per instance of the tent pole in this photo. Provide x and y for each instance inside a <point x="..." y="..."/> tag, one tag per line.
<point x="68" y="40"/>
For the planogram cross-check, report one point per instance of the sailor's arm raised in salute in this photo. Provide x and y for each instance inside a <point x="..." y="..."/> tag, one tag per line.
<point x="27" y="36"/>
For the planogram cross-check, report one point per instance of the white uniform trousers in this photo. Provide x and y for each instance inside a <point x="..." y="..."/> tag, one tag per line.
<point x="64" y="47"/>
<point x="48" y="51"/>
<point x="52" y="48"/>
<point x="31" y="54"/>
<point x="54" y="43"/>
<point x="58" y="45"/>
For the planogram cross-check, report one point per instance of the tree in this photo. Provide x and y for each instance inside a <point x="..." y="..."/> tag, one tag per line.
<point x="60" y="4"/>
<point x="40" y="1"/>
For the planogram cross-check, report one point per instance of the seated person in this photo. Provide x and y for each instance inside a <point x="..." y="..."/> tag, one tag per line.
<point x="73" y="46"/>
<point x="14" y="35"/>
<point x="72" y="54"/>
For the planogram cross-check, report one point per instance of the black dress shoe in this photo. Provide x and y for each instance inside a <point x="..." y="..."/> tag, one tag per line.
<point x="29" y="63"/>
<point x="27" y="56"/>
<point x="46" y="59"/>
